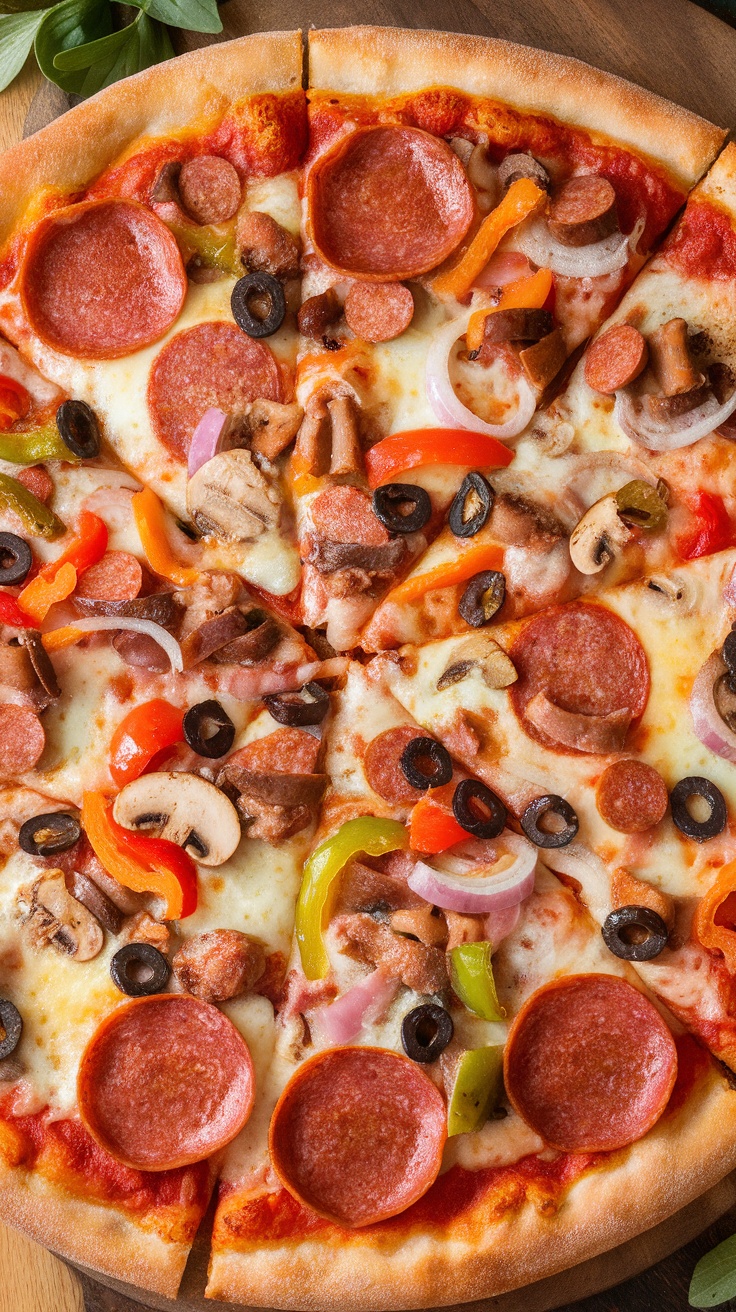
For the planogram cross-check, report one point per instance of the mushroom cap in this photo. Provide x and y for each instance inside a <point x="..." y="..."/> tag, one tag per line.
<point x="230" y="496"/>
<point x="598" y="536"/>
<point x="183" y="808"/>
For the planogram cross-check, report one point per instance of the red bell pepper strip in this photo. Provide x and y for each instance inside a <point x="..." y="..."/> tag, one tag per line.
<point x="146" y="730"/>
<point x="11" y="613"/>
<point x="15" y="402"/>
<point x="88" y="545"/>
<point x="140" y="862"/>
<point x="432" y="828"/>
<point x="433" y="446"/>
<point x="712" y="530"/>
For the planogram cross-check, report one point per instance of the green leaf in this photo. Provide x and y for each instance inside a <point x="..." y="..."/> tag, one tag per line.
<point x="69" y="24"/>
<point x="194" y="15"/>
<point x="16" y="38"/>
<point x="714" y="1278"/>
<point x="99" y="63"/>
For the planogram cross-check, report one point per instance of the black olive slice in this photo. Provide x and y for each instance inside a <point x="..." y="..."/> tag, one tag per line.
<point x="45" y="835"/>
<point x="483" y="597"/>
<point x="292" y="708"/>
<point x="550" y="804"/>
<point x="139" y="970"/>
<point x="729" y="658"/>
<point x="634" y="933"/>
<point x="696" y="786"/>
<point x="12" y="1024"/>
<point x="79" y="429"/>
<point x="16" y="558"/>
<point x="208" y="729"/>
<point x="402" y="507"/>
<point x="426" y="763"/>
<point x="246" y="290"/>
<point x="478" y="809"/>
<point x="471" y="506"/>
<point x="426" y="1032"/>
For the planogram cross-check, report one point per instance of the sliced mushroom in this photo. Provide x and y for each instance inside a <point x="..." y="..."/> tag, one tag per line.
<point x="481" y="653"/>
<point x="229" y="496"/>
<point x="675" y="590"/>
<point x="184" y="809"/>
<point x="41" y="662"/>
<point x="598" y="536"/>
<point x="55" y="917"/>
<point x="99" y="905"/>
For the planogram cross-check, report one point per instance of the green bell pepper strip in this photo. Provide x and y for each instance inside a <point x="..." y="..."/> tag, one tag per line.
<point x="38" y="444"/>
<point x="471" y="976"/>
<point x="477" y="1089"/>
<point x="37" y="519"/>
<point x="367" y="834"/>
<point x="216" y="249"/>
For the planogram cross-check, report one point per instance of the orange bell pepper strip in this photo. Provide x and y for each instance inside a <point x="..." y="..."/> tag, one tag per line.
<point x="57" y="580"/>
<point x="140" y="862"/>
<point x="144" y="732"/>
<point x="521" y="199"/>
<point x="15" y="402"/>
<point x="150" y="518"/>
<point x="433" y="446"/>
<point x="523" y="294"/>
<point x="41" y="594"/>
<point x="66" y="636"/>
<point x="432" y="828"/>
<point x="473" y="560"/>
<point x="715" y="918"/>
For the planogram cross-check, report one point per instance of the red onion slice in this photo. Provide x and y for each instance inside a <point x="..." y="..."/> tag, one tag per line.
<point x="535" y="240"/>
<point x="502" y="268"/>
<point x="342" y="1020"/>
<point x="476" y="889"/>
<point x="712" y="731"/>
<point x="499" y="924"/>
<point x="155" y="631"/>
<point x="683" y="431"/>
<point x="205" y="439"/>
<point x="446" y="404"/>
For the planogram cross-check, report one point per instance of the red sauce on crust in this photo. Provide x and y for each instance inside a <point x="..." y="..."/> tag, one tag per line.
<point x="703" y="244"/>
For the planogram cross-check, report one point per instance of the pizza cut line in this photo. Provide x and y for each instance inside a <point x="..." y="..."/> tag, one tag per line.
<point x="367" y="669"/>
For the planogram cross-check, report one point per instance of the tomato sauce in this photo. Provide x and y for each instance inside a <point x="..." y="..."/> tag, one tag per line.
<point x="703" y="245"/>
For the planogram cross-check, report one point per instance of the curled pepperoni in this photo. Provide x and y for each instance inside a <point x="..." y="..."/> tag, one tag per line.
<point x="589" y="1063"/>
<point x="38" y="481"/>
<point x="584" y="660"/>
<point x="211" y="365"/>
<point x="631" y="796"/>
<point x="388" y="203"/>
<point x="379" y="311"/>
<point x="357" y="1134"/>
<point x="382" y="765"/>
<point x="102" y="279"/>
<point x="165" y="1081"/>
<point x="117" y="577"/>
<point x="22" y="740"/>
<point x="615" y="358"/>
<point x="345" y="514"/>
<point x="209" y="188"/>
<point x="287" y="751"/>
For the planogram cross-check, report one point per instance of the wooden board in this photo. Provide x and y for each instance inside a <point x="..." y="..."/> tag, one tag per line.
<point x="671" y="47"/>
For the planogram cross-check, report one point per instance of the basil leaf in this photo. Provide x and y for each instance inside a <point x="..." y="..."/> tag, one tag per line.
<point x="194" y="15"/>
<point x="69" y="24"/>
<point x="17" y="32"/>
<point x="99" y="63"/>
<point x="714" y="1278"/>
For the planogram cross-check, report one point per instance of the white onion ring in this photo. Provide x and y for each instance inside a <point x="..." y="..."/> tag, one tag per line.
<point x="585" y="867"/>
<point x="476" y="894"/>
<point x="205" y="441"/>
<point x="535" y="240"/>
<point x="155" y="631"/>
<point x="683" y="431"/>
<point x="712" y="731"/>
<point x="445" y="402"/>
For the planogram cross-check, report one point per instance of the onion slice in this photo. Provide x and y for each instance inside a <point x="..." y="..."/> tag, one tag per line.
<point x="477" y="889"/>
<point x="342" y="1020"/>
<point x="155" y="631"/>
<point x="584" y="867"/>
<point x="205" y="439"/>
<point x="446" y="404"/>
<point x="535" y="240"/>
<point x="499" y="924"/>
<point x="712" y="731"/>
<point x="699" y="422"/>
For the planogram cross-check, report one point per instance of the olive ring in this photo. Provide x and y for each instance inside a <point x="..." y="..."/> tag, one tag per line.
<point x="426" y="1032"/>
<point x="640" y="918"/>
<point x="203" y="717"/>
<point x="16" y="559"/>
<point x="150" y="963"/>
<point x="258" y="284"/>
<point x="45" y="835"/>
<point x="550" y="804"/>
<point x="12" y="1023"/>
<point x="426" y="751"/>
<point x="700" y="830"/>
<point x="476" y="486"/>
<point x="291" y="708"/>
<point x="389" y="500"/>
<point x="471" y="798"/>
<point x="483" y="597"/>
<point x="79" y="429"/>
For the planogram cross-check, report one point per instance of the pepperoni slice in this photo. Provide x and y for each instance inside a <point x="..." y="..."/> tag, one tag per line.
<point x="165" y="1081"/>
<point x="382" y="765"/>
<point x="345" y="514"/>
<point x="615" y="358"/>
<point x="213" y="364"/>
<point x="102" y="279"/>
<point x="589" y="1063"/>
<point x="117" y="577"/>
<point x="287" y="751"/>
<point x="22" y="740"/>
<point x="38" y="481"/>
<point x="379" y="311"/>
<point x="209" y="188"/>
<point x="357" y="1135"/>
<point x="631" y="796"/>
<point x="388" y="202"/>
<point x="585" y="660"/>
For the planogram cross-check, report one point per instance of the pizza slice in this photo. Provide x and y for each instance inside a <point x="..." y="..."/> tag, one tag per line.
<point x="440" y="1119"/>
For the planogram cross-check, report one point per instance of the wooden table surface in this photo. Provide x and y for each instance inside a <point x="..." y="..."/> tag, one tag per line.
<point x="669" y="46"/>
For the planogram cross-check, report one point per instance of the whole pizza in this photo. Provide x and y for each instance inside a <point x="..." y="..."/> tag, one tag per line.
<point x="367" y="669"/>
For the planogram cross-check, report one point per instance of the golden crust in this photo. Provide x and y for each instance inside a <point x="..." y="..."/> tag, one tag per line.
<point x="390" y="61"/>
<point x="194" y="89"/>
<point x="475" y="1258"/>
<point x="719" y="184"/>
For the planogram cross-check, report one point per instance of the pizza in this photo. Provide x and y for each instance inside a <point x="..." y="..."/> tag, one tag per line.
<point x="367" y="669"/>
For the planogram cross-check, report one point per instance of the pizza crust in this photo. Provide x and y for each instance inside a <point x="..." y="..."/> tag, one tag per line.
<point x="719" y="184"/>
<point x="393" y="61"/>
<point x="472" y="1259"/>
<point x="194" y="89"/>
